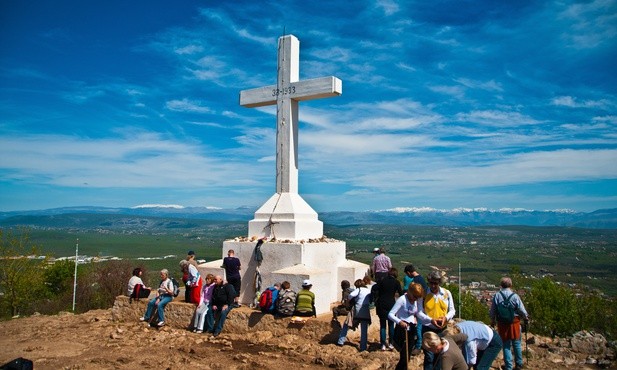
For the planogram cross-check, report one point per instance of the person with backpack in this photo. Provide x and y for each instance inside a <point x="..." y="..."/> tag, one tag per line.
<point x="286" y="301"/>
<point x="384" y="294"/>
<point x="436" y="308"/>
<point x="164" y="295"/>
<point x="412" y="276"/>
<point x="267" y="299"/>
<point x="507" y="309"/>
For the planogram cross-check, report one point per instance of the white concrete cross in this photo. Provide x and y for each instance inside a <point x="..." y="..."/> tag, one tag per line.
<point x="286" y="94"/>
<point x="286" y="211"/>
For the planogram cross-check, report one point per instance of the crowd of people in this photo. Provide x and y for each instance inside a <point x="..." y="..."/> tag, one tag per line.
<point x="415" y="318"/>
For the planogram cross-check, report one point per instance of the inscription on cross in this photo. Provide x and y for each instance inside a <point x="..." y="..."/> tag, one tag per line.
<point x="286" y="94"/>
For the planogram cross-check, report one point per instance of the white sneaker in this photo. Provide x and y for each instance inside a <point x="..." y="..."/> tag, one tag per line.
<point x="391" y="347"/>
<point x="383" y="347"/>
<point x="161" y="323"/>
<point x="142" y="319"/>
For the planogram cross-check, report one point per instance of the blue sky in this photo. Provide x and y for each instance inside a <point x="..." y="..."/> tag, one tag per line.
<point x="445" y="104"/>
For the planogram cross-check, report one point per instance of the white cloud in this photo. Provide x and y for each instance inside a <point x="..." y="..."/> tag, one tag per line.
<point x="572" y="102"/>
<point x="490" y="85"/>
<point x="389" y="7"/>
<point x="189" y="49"/>
<point x="186" y="105"/>
<point x="496" y="118"/>
<point x="134" y="160"/>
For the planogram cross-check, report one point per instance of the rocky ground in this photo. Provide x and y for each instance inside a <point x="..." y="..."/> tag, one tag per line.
<point x="94" y="340"/>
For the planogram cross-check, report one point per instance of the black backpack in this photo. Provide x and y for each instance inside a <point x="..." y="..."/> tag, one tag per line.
<point x="174" y="282"/>
<point x="505" y="309"/>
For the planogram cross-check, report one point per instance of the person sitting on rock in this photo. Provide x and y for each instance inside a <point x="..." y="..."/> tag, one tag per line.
<point x="164" y="295"/>
<point x="343" y="308"/>
<point x="286" y="301"/>
<point x="204" y="306"/>
<point x="136" y="288"/>
<point x="222" y="302"/>
<point x="305" y="301"/>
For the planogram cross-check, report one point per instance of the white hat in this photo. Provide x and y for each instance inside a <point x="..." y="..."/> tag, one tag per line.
<point x="375" y="250"/>
<point x="307" y="282"/>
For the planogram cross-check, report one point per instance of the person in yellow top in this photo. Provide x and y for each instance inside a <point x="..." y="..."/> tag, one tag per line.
<point x="438" y="308"/>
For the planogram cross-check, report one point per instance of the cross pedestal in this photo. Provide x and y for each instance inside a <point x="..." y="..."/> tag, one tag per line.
<point x="296" y="249"/>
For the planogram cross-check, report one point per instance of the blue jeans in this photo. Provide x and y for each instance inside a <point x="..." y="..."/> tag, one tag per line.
<point x="363" y="335"/>
<point x="507" y="352"/>
<point x="164" y="299"/>
<point x="384" y="324"/>
<point x="222" y="317"/>
<point x="486" y="357"/>
<point x="419" y="334"/>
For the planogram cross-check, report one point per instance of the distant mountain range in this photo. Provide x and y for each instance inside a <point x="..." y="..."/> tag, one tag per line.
<point x="601" y="219"/>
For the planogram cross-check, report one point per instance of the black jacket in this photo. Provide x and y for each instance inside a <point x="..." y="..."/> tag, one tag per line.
<point x="385" y="297"/>
<point x="223" y="295"/>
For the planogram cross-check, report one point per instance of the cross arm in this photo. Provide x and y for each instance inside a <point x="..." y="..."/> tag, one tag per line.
<point x="316" y="88"/>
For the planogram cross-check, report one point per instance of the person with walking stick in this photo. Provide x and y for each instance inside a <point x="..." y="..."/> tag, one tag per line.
<point x="404" y="315"/>
<point x="507" y="311"/>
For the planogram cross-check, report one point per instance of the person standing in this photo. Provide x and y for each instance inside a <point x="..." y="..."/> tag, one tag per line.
<point x="412" y="276"/>
<point x="164" y="295"/>
<point x="436" y="308"/>
<point x="482" y="345"/>
<point x="232" y="266"/>
<point x="381" y="264"/>
<point x="384" y="295"/>
<point x="221" y="303"/>
<point x="404" y="314"/>
<point x="510" y="333"/>
<point x="193" y="282"/>
<point x="305" y="301"/>
<point x="361" y="314"/>
<point x="188" y="290"/>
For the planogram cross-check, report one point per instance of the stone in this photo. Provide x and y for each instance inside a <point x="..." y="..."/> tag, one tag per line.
<point x="588" y="343"/>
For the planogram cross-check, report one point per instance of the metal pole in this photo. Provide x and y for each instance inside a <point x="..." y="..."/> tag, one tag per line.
<point x="75" y="274"/>
<point x="460" y="280"/>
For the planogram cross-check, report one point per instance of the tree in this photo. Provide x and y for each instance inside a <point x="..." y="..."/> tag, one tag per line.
<point x="59" y="277"/>
<point x="552" y="307"/>
<point x="21" y="272"/>
<point x="470" y="307"/>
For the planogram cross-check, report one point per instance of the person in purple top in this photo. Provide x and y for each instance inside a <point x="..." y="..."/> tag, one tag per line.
<point x="381" y="264"/>
<point x="232" y="266"/>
